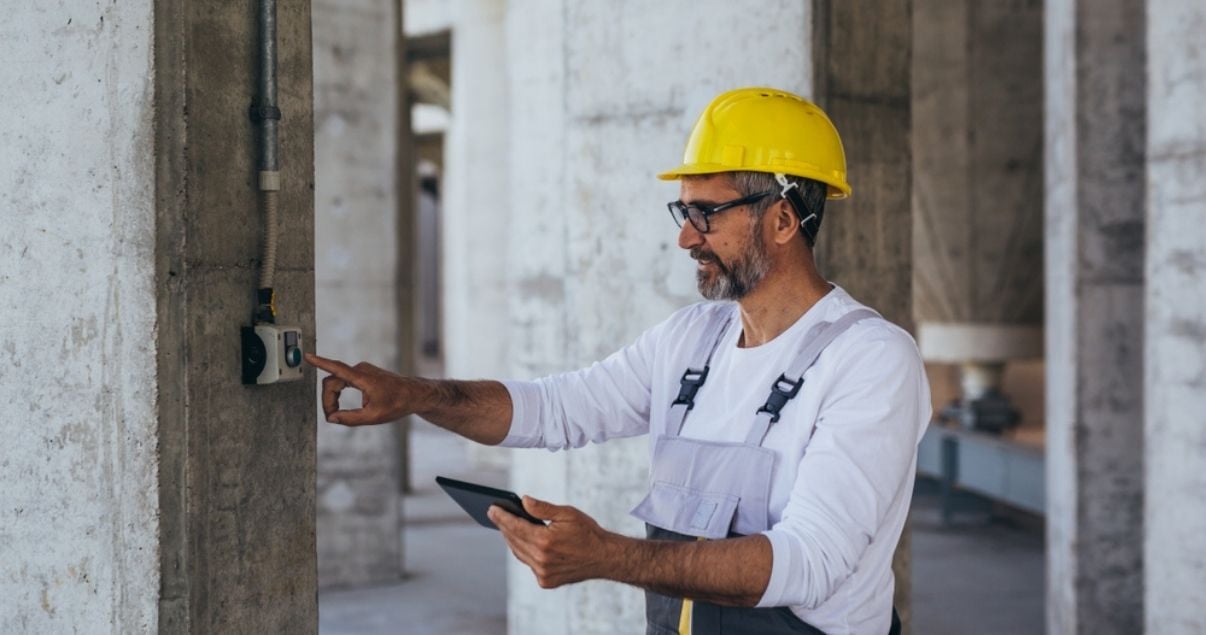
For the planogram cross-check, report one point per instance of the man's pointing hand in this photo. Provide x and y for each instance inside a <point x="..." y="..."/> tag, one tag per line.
<point x="383" y="393"/>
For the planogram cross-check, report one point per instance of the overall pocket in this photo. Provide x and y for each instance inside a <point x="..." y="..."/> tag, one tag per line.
<point x="688" y="511"/>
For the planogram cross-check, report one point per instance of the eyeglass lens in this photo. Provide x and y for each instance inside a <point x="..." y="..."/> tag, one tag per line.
<point x="680" y="211"/>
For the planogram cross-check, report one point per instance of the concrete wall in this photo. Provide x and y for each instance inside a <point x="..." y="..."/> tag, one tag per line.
<point x="1095" y="155"/>
<point x="78" y="504"/>
<point x="602" y="96"/>
<point x="356" y="250"/>
<point x="1175" y="328"/>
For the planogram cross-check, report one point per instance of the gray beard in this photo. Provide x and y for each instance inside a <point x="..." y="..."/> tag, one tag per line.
<point x="737" y="280"/>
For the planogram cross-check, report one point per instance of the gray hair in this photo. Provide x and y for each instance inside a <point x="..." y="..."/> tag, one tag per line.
<point x="814" y="194"/>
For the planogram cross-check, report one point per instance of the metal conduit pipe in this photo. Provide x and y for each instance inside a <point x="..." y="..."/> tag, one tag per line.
<point x="268" y="115"/>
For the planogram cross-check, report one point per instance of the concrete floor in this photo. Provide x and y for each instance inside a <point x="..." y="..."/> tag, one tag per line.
<point x="456" y="569"/>
<point x="983" y="574"/>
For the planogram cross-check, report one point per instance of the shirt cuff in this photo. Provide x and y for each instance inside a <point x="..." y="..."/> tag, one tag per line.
<point x="782" y="564"/>
<point x="525" y="403"/>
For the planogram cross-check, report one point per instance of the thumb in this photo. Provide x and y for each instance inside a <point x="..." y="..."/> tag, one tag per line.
<point x="542" y="509"/>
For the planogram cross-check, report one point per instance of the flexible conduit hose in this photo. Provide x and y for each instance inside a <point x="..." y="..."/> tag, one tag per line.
<point x="271" y="234"/>
<point x="265" y="112"/>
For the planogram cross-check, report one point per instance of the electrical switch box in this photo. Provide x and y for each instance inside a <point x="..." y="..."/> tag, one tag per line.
<point x="271" y="353"/>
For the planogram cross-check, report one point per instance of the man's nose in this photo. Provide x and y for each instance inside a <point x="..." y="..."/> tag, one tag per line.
<point x="689" y="237"/>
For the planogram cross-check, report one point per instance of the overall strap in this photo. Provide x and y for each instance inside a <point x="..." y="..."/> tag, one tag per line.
<point x="697" y="373"/>
<point x="784" y="389"/>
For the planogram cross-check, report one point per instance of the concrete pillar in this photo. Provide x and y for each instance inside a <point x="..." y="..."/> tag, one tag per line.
<point x="862" y="52"/>
<point x="237" y="463"/>
<point x="78" y="506"/>
<point x="475" y="213"/>
<point x="1174" y="567"/>
<point x="602" y="96"/>
<point x="356" y="249"/>
<point x="146" y="488"/>
<point x="1095" y="168"/>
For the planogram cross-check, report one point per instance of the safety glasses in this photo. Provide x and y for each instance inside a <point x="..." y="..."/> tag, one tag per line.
<point x="699" y="214"/>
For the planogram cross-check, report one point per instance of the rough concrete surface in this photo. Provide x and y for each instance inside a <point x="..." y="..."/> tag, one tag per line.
<point x="1175" y="327"/>
<point x="356" y="254"/>
<point x="237" y="482"/>
<point x="1094" y="153"/>
<point x="863" y="82"/>
<point x="78" y="506"/>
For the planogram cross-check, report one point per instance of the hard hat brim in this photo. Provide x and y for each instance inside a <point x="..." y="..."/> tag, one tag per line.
<point x="836" y="191"/>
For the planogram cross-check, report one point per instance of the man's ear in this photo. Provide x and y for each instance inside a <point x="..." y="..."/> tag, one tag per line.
<point x="787" y="226"/>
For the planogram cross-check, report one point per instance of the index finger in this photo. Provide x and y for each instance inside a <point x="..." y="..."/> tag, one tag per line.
<point x="333" y="366"/>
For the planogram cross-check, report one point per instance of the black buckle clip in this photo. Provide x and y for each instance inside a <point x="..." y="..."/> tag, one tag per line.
<point x="780" y="396"/>
<point x="689" y="385"/>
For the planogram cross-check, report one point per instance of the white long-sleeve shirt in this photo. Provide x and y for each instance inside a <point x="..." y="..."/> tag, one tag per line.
<point x="845" y="447"/>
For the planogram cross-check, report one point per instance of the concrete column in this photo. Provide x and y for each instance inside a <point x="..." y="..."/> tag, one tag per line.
<point x="475" y="213"/>
<point x="1174" y="568"/>
<point x="356" y="249"/>
<point x="1095" y="168"/>
<point x="237" y="464"/>
<point x="539" y="309"/>
<point x="145" y="487"/>
<point x="79" y="507"/>
<point x="863" y="54"/>
<point x="602" y="97"/>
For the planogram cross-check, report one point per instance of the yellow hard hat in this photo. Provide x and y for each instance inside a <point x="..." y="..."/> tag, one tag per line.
<point x="765" y="130"/>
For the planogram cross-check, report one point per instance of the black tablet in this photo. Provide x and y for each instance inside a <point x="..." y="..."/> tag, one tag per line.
<point x="476" y="499"/>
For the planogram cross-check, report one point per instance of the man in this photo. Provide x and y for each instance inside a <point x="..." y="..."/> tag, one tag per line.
<point x="784" y="415"/>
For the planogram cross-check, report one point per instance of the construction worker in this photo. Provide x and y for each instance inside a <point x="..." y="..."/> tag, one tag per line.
<point x="784" y="416"/>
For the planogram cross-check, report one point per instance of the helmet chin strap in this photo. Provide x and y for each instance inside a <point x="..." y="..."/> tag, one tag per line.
<point x="791" y="193"/>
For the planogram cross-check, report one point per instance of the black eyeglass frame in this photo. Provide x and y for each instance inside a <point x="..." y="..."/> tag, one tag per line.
<point x="681" y="211"/>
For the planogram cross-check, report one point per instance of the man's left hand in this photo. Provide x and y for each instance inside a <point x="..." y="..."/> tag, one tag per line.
<point x="571" y="548"/>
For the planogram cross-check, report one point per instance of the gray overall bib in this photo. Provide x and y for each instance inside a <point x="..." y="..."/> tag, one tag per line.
<point x="712" y="490"/>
